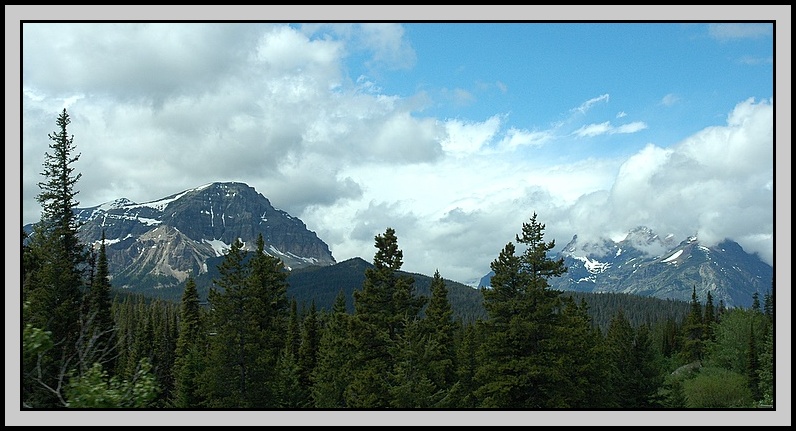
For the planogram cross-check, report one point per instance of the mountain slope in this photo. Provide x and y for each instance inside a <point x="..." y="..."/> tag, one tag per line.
<point x="159" y="243"/>
<point x="646" y="265"/>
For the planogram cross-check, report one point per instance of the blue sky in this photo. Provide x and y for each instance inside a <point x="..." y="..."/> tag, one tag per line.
<point x="452" y="133"/>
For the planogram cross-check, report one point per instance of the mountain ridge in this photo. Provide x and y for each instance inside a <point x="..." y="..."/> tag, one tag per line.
<point x="645" y="264"/>
<point x="159" y="243"/>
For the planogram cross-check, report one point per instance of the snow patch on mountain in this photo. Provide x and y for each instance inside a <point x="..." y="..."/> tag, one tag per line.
<point x="220" y="247"/>
<point x="674" y="256"/>
<point x="593" y="265"/>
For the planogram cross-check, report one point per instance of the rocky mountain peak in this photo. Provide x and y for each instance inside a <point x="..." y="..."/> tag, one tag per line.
<point x="169" y="238"/>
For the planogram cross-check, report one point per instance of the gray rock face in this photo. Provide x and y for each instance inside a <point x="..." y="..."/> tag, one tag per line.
<point x="160" y="243"/>
<point x="647" y="265"/>
<point x="643" y="264"/>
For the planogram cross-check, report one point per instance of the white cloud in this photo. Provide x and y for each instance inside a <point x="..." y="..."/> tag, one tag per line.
<point x="585" y="106"/>
<point x="469" y="137"/>
<point x="278" y="111"/>
<point x="630" y="127"/>
<point x="522" y="138"/>
<point x="715" y="184"/>
<point x="591" y="130"/>
<point x="621" y="114"/>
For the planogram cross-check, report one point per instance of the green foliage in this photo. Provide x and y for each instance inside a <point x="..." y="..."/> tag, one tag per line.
<point x="730" y="350"/>
<point x="716" y="388"/>
<point x="521" y="359"/>
<point x="248" y="320"/>
<point x="382" y="309"/>
<point x="95" y="389"/>
<point x="188" y="363"/>
<point x="693" y="332"/>
<point x="54" y="261"/>
<point x="331" y="375"/>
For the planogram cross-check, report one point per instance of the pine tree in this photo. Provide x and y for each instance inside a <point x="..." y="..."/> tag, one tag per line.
<point x="517" y="361"/>
<point x="381" y="310"/>
<point x="710" y="319"/>
<point x="188" y="362"/>
<point x="53" y="273"/>
<point x="693" y="328"/>
<point x="226" y="377"/>
<point x="308" y="350"/>
<point x="439" y="324"/>
<point x="101" y="323"/>
<point x="248" y="318"/>
<point x="331" y="375"/>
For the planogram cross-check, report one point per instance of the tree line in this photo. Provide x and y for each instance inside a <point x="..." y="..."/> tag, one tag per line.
<point x="250" y="346"/>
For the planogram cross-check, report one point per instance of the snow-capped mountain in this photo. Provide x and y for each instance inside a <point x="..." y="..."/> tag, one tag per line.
<point x="159" y="243"/>
<point x="645" y="264"/>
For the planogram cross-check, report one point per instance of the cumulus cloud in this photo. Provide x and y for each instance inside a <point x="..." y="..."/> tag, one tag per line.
<point x="469" y="137"/>
<point x="275" y="106"/>
<point x="714" y="184"/>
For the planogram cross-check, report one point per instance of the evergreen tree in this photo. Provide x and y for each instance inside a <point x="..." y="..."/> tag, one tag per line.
<point x="578" y="344"/>
<point x="248" y="330"/>
<point x="468" y="343"/>
<point x="53" y="273"/>
<point x="766" y="371"/>
<point x="753" y="366"/>
<point x="756" y="301"/>
<point x="331" y="375"/>
<point x="227" y="376"/>
<point x="308" y="350"/>
<point x="635" y="378"/>
<point x="693" y="328"/>
<point x="381" y="310"/>
<point x="768" y="303"/>
<point x="441" y="367"/>
<point x="101" y="323"/>
<point x="410" y="383"/>
<point x="710" y="318"/>
<point x="188" y="362"/>
<point x="518" y="361"/>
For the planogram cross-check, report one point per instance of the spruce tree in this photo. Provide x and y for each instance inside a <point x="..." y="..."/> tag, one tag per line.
<point x="381" y="311"/>
<point x="693" y="328"/>
<point x="331" y="375"/>
<point x="53" y="273"/>
<point x="248" y="316"/>
<point x="442" y="328"/>
<point x="102" y="328"/>
<point x="188" y="362"/>
<point x="710" y="319"/>
<point x="518" y="361"/>
<point x="308" y="349"/>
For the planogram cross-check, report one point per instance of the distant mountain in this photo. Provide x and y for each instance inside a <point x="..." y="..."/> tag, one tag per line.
<point x="645" y="264"/>
<point x="157" y="244"/>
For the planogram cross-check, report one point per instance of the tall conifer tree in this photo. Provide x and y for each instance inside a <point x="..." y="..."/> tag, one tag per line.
<point x="382" y="310"/>
<point x="517" y="361"/>
<point x="53" y="273"/>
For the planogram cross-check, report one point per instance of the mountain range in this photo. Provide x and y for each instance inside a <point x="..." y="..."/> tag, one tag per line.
<point x="152" y="248"/>
<point x="645" y="264"/>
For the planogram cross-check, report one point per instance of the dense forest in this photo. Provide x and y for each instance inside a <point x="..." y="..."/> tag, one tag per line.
<point x="250" y="345"/>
